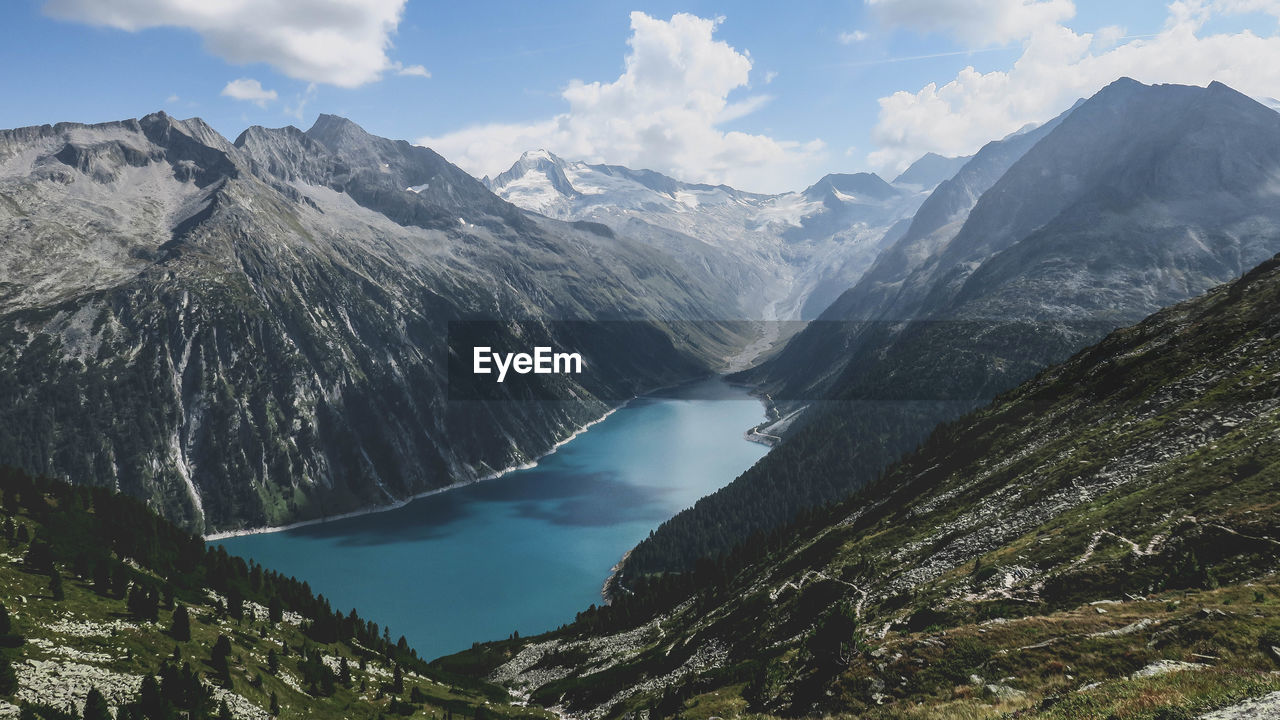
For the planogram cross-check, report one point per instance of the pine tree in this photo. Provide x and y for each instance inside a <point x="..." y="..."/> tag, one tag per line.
<point x="275" y="704"/>
<point x="55" y="585"/>
<point x="102" y="578"/>
<point x="344" y="672"/>
<point x="235" y="603"/>
<point x="224" y="712"/>
<point x="397" y="680"/>
<point x="181" y="630"/>
<point x="8" y="676"/>
<point x="95" y="706"/>
<point x="5" y="625"/>
<point x="220" y="660"/>
<point x="273" y="662"/>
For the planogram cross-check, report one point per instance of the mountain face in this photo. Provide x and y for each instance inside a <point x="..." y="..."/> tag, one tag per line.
<point x="931" y="170"/>
<point x="788" y="255"/>
<point x="1100" y="542"/>
<point x="253" y="333"/>
<point x="1138" y="198"/>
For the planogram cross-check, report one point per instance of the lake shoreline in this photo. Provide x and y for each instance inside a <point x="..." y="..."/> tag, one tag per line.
<point x="243" y="532"/>
<point x="528" y="550"/>
<point x="224" y="534"/>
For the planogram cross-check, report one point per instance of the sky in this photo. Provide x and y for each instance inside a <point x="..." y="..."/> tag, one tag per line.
<point x="763" y="96"/>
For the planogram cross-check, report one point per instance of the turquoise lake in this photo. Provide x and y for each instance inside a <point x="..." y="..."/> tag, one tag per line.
<point x="524" y="552"/>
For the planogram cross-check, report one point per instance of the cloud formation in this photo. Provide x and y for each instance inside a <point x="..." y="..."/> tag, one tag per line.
<point x="1058" y="66"/>
<point x="978" y="23"/>
<point x="336" y="42"/>
<point x="414" y="71"/>
<point x="663" y="113"/>
<point x="249" y="90"/>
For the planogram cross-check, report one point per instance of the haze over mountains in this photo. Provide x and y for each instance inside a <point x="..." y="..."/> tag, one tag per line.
<point x="789" y="255"/>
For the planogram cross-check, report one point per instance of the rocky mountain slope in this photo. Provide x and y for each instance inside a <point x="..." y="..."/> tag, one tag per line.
<point x="159" y="627"/>
<point x="253" y="333"/>
<point x="788" y="255"/>
<point x="1100" y="542"/>
<point x="1140" y="197"/>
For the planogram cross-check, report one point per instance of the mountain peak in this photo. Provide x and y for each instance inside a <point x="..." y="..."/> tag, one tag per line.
<point x="930" y="170"/>
<point x="541" y="154"/>
<point x="867" y="185"/>
<point x="335" y="131"/>
<point x="540" y="161"/>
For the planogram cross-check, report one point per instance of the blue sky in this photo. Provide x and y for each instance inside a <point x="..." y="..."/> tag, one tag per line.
<point x="748" y="93"/>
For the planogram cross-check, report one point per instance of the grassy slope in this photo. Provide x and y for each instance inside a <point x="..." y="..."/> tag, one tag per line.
<point x="91" y="639"/>
<point x="1144" y="471"/>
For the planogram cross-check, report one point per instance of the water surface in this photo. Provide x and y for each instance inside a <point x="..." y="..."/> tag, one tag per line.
<point x="530" y="549"/>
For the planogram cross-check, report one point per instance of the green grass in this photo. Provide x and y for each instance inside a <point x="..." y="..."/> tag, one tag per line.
<point x="141" y="650"/>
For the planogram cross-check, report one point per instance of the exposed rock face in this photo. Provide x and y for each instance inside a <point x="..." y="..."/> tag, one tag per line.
<point x="251" y="333"/>
<point x="788" y="255"/>
<point x="1139" y="197"/>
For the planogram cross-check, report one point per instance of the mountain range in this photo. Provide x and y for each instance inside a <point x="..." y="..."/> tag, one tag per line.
<point x="1137" y="198"/>
<point x="789" y="254"/>
<point x="255" y="332"/>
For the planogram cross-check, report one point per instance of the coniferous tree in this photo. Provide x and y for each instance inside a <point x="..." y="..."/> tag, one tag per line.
<point x="8" y="676"/>
<point x="397" y="680"/>
<point x="221" y="660"/>
<point x="95" y="706"/>
<point x="181" y="630"/>
<point x="151" y="702"/>
<point x="55" y="585"/>
<point x="120" y="581"/>
<point x="5" y="624"/>
<point x="273" y="662"/>
<point x="39" y="556"/>
<point x="344" y="672"/>
<point x="224" y="712"/>
<point x="235" y="603"/>
<point x="275" y="704"/>
<point x="102" y="578"/>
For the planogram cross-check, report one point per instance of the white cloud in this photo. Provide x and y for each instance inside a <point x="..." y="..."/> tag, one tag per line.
<point x="662" y="113"/>
<point x="301" y="100"/>
<point x="1270" y="7"/>
<point x="979" y="23"/>
<point x="249" y="90"/>
<point x="1056" y="67"/>
<point x="414" y="71"/>
<point x="853" y="37"/>
<point x="337" y="42"/>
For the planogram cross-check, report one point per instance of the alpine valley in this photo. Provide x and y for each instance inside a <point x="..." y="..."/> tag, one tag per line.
<point x="1023" y="410"/>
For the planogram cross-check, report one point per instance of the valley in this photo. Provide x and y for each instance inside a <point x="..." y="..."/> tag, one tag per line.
<point x="525" y="551"/>
<point x="996" y="438"/>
